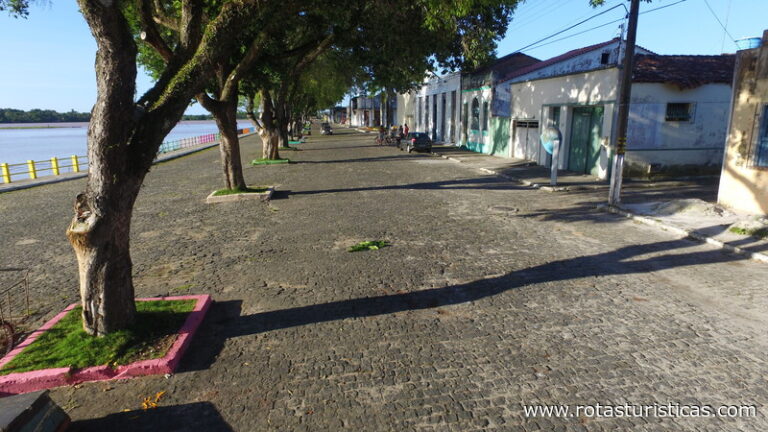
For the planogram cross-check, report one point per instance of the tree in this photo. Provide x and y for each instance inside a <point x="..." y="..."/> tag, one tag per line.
<point x="124" y="133"/>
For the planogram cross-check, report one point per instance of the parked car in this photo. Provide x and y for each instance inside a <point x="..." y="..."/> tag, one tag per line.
<point x="326" y="129"/>
<point x="418" y="141"/>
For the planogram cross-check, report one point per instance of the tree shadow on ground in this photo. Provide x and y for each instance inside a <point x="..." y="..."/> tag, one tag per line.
<point x="226" y="322"/>
<point x="368" y="159"/>
<point x="481" y="183"/>
<point x="202" y="416"/>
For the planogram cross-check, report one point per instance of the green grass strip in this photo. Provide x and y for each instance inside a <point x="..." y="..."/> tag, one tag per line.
<point x="264" y="161"/>
<point x="239" y="191"/>
<point x="67" y="345"/>
<point x="759" y="233"/>
<point x="369" y="245"/>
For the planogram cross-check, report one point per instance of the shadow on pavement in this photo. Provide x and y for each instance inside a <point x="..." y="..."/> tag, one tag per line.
<point x="202" y="416"/>
<point x="484" y="183"/>
<point x="225" y="320"/>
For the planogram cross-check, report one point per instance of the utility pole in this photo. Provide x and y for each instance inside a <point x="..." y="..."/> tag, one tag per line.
<point x="625" y="93"/>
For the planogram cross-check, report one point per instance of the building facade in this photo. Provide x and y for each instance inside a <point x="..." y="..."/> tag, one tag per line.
<point x="744" y="178"/>
<point x="677" y="114"/>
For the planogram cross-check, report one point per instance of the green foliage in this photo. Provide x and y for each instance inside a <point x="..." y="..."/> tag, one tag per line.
<point x="10" y="115"/>
<point x="369" y="245"/>
<point x="264" y="161"/>
<point x="67" y="345"/>
<point x="15" y="8"/>
<point x="239" y="191"/>
<point x="759" y="232"/>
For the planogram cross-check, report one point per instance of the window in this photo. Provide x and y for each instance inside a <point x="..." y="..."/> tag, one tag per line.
<point x="761" y="157"/>
<point x="475" y="125"/>
<point x="605" y="57"/>
<point x="554" y="116"/>
<point x="679" y="112"/>
<point x="485" y="116"/>
<point x="532" y="124"/>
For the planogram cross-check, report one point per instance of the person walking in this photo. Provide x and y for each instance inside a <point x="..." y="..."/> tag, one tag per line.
<point x="405" y="130"/>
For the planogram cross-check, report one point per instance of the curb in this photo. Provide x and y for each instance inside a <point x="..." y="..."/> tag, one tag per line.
<point x="757" y="256"/>
<point x="262" y="196"/>
<point x="511" y="178"/>
<point x="25" y="382"/>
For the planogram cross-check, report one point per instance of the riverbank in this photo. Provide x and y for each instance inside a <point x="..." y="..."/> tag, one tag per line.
<point x="36" y="127"/>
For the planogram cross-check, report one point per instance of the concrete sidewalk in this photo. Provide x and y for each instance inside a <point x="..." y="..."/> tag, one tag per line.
<point x="684" y="207"/>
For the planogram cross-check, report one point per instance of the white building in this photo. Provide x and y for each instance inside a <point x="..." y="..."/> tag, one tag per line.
<point x="433" y="108"/>
<point x="678" y="111"/>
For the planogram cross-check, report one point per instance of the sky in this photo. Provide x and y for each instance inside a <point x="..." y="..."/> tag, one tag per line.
<point x="47" y="60"/>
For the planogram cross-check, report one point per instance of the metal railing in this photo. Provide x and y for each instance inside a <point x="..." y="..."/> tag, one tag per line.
<point x="74" y="164"/>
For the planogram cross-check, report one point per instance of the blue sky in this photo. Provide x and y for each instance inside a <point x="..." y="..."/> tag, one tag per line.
<point x="46" y="61"/>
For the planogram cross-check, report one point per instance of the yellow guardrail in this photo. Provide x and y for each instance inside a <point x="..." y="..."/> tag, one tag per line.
<point x="34" y="169"/>
<point x="58" y="166"/>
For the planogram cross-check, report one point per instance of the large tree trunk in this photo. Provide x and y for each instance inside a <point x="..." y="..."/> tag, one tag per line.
<point x="123" y="139"/>
<point x="100" y="230"/>
<point x="225" y="114"/>
<point x="269" y="132"/>
<point x="100" y="237"/>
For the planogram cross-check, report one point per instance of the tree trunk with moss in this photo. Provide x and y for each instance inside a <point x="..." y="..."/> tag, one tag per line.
<point x="123" y="139"/>
<point x="225" y="114"/>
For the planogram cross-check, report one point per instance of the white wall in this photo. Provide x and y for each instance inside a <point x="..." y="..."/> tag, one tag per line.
<point x="653" y="140"/>
<point x="531" y="99"/>
<point x="476" y="137"/>
<point x="413" y="106"/>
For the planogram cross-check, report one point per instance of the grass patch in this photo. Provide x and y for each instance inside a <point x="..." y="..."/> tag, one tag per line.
<point x="182" y="289"/>
<point x="759" y="233"/>
<point x="221" y="192"/>
<point x="369" y="245"/>
<point x="67" y="345"/>
<point x="264" y="161"/>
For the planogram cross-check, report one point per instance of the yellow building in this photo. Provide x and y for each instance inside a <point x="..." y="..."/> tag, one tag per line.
<point x="744" y="180"/>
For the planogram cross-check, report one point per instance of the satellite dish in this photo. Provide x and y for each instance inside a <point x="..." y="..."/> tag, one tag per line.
<point x="550" y="138"/>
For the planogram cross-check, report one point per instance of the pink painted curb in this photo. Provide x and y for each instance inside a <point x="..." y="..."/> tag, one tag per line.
<point x="25" y="382"/>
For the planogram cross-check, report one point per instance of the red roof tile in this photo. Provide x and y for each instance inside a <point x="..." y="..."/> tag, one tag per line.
<point x="684" y="71"/>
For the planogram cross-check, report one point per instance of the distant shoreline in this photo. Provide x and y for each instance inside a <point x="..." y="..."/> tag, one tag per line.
<point x="37" y="127"/>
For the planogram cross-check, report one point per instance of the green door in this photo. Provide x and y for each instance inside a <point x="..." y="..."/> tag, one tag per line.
<point x="500" y="136"/>
<point x="584" y="152"/>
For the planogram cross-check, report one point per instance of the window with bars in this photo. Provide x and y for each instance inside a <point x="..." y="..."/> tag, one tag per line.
<point x="532" y="124"/>
<point x="679" y="112"/>
<point x="761" y="155"/>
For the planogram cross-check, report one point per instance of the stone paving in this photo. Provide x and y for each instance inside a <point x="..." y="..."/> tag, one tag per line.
<point x="492" y="295"/>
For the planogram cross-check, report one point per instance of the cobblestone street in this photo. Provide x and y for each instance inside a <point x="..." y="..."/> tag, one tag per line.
<point x="491" y="296"/>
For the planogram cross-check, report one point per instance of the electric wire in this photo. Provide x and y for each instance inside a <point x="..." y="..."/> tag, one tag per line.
<point x="719" y="22"/>
<point x="570" y="27"/>
<point x="599" y="26"/>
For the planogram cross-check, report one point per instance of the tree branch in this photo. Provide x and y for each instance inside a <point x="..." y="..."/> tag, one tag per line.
<point x="161" y="17"/>
<point x="150" y="33"/>
<point x="191" y="24"/>
<point x="248" y="60"/>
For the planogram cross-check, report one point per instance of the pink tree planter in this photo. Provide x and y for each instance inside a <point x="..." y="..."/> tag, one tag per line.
<point x="24" y="382"/>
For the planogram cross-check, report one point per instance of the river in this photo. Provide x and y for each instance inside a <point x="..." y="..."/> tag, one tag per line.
<point x="42" y="141"/>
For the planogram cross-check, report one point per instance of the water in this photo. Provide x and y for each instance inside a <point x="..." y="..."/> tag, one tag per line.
<point x="63" y="140"/>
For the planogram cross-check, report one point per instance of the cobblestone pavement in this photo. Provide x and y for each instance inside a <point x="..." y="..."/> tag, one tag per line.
<point x="491" y="296"/>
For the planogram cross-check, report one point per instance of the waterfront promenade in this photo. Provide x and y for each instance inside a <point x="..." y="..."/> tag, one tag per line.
<point x="492" y="295"/>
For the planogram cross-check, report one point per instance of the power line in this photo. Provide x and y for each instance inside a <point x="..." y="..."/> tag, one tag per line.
<point x="568" y="28"/>
<point x="603" y="25"/>
<point x="718" y="21"/>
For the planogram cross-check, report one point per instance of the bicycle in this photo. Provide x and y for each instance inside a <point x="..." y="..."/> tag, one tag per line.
<point x="7" y="337"/>
<point x="8" y="332"/>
